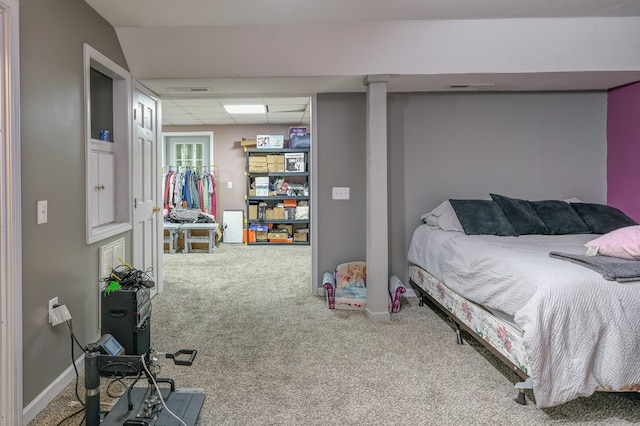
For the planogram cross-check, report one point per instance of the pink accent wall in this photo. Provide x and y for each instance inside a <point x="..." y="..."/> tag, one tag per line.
<point x="623" y="149"/>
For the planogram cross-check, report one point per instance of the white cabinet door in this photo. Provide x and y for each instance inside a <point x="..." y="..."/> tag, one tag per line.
<point x="107" y="182"/>
<point x="103" y="188"/>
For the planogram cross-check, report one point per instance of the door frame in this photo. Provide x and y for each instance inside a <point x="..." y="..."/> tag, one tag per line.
<point x="11" y="375"/>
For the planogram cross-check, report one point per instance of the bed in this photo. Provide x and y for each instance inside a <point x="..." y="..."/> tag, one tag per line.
<point x="562" y="327"/>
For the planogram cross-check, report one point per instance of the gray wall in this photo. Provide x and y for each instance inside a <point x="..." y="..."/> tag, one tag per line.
<point x="341" y="143"/>
<point x="528" y="145"/>
<point x="56" y="259"/>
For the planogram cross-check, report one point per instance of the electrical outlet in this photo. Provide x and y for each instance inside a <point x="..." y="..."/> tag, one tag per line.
<point x="53" y="302"/>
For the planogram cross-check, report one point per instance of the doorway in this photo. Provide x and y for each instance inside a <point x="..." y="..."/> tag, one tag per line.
<point x="230" y="132"/>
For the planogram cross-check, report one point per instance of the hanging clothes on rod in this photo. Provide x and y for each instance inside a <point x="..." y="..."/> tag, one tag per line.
<point x="191" y="187"/>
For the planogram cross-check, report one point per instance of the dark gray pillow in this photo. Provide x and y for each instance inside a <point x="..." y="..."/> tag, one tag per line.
<point x="559" y="217"/>
<point x="601" y="218"/>
<point x="482" y="217"/>
<point x="522" y="216"/>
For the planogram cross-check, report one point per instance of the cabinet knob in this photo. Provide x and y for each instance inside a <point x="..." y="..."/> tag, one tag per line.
<point x="156" y="209"/>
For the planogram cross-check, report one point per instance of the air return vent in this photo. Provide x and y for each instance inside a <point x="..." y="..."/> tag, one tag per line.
<point x="110" y="255"/>
<point x="189" y="89"/>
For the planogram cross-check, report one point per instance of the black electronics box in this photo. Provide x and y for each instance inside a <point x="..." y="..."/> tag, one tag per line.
<point x="126" y="315"/>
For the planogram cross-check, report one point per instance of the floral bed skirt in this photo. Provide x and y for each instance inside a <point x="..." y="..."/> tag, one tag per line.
<point x="500" y="335"/>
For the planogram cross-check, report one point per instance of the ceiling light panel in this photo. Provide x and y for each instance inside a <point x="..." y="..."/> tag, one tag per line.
<point x="245" y="109"/>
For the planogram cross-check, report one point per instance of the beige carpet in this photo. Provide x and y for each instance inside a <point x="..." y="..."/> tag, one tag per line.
<point x="270" y="353"/>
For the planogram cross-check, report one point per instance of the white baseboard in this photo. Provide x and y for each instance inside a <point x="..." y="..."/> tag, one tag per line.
<point x="46" y="396"/>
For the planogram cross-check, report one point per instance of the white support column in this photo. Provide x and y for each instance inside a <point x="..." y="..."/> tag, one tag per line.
<point x="377" y="210"/>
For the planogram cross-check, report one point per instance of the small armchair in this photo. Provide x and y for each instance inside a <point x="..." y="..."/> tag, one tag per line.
<point x="346" y="288"/>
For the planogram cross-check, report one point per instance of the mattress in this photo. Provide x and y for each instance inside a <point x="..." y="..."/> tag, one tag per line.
<point x="499" y="273"/>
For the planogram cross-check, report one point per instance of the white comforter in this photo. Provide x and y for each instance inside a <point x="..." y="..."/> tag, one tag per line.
<point x="581" y="331"/>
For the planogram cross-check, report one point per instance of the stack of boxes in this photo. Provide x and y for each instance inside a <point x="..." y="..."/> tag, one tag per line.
<point x="258" y="164"/>
<point x="275" y="162"/>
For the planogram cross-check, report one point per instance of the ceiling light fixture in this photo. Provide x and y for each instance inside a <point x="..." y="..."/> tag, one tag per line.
<point x="245" y="109"/>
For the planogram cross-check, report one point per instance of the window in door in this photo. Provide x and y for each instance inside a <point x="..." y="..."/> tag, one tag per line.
<point x="188" y="149"/>
<point x="189" y="154"/>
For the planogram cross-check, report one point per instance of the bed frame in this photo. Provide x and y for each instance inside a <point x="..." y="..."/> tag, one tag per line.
<point x="496" y="335"/>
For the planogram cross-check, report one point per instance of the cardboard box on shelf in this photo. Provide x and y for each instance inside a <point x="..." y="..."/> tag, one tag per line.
<point x="257" y="159"/>
<point x="262" y="186"/>
<point x="262" y="235"/>
<point x="253" y="211"/>
<point x="278" y="213"/>
<point x="258" y="168"/>
<point x="252" y="193"/>
<point x="273" y="234"/>
<point x="269" y="214"/>
<point x="285" y="227"/>
<point x="248" y="143"/>
<point x="289" y="203"/>
<point x="275" y="167"/>
<point x="277" y="141"/>
<point x="293" y="131"/>
<point x="294" y="162"/>
<point x="300" y="236"/>
<point x="270" y="141"/>
<point x="275" y="158"/>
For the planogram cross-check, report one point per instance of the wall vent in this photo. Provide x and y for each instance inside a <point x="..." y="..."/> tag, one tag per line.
<point x="189" y="89"/>
<point x="109" y="258"/>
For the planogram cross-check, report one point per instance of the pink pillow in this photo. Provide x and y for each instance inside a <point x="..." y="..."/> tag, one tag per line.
<point x="623" y="243"/>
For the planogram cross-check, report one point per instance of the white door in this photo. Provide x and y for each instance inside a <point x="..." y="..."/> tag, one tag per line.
<point x="147" y="216"/>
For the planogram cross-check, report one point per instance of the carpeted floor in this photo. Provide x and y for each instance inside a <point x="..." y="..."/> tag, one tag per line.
<point x="270" y="353"/>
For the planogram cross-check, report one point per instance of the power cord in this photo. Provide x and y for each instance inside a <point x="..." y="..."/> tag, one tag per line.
<point x="164" y="404"/>
<point x="70" y="416"/>
<point x="73" y="361"/>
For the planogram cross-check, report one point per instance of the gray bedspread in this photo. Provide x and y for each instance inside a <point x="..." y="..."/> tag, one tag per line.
<point x="611" y="268"/>
<point x="581" y="332"/>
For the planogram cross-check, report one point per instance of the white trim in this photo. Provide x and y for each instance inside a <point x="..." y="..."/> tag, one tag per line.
<point x="11" y="384"/>
<point x="121" y="134"/>
<point x="315" y="275"/>
<point x="45" y="397"/>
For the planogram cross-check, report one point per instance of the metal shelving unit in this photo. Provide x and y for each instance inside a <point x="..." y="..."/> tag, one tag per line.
<point x="260" y="209"/>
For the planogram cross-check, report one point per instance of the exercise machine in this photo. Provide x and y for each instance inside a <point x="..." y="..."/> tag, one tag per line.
<point x="151" y="405"/>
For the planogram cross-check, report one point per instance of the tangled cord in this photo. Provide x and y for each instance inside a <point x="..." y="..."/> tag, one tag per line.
<point x="125" y="276"/>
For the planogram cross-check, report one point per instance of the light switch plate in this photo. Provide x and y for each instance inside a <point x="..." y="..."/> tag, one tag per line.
<point x="340" y="193"/>
<point x="42" y="212"/>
